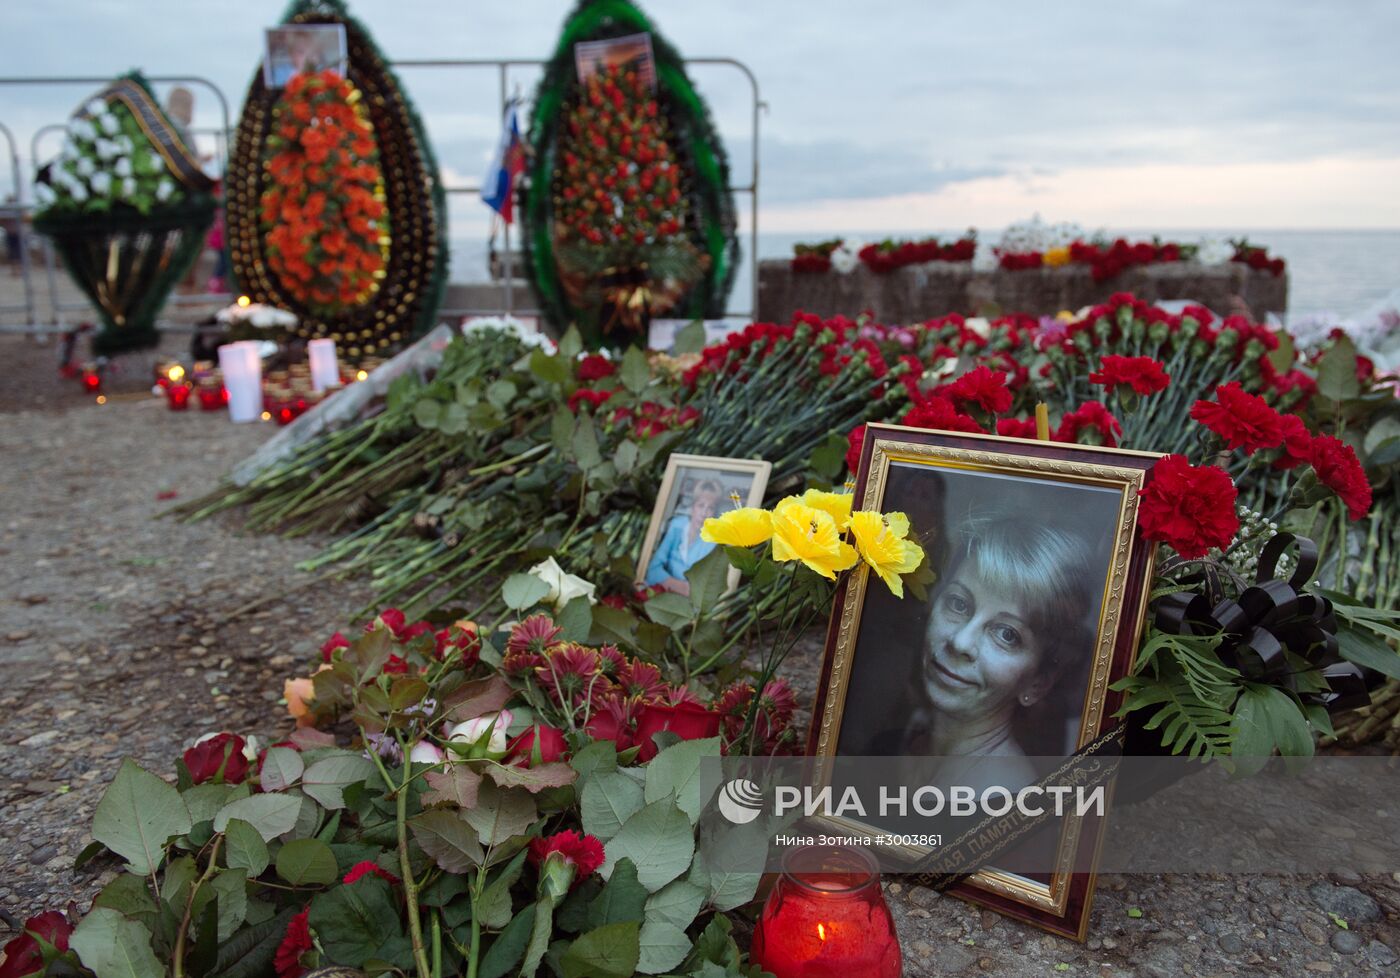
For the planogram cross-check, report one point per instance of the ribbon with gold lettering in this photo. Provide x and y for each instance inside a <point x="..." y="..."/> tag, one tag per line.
<point x="159" y="130"/>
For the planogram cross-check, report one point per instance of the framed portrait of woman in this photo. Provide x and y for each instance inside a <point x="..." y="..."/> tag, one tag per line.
<point x="1004" y="667"/>
<point x="693" y="489"/>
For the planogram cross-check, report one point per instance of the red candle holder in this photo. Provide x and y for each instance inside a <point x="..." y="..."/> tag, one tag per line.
<point x="177" y="396"/>
<point x="212" y="398"/>
<point x="826" y="918"/>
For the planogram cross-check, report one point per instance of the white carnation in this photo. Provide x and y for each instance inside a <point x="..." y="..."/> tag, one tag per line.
<point x="82" y="130"/>
<point x="124" y="143"/>
<point x="157" y="160"/>
<point x="84" y="166"/>
<point x="96" y="106"/>
<point x="846" y="256"/>
<point x="101" y="183"/>
<point x="129" y="188"/>
<point x="122" y="167"/>
<point x="164" y="189"/>
<point x="109" y="123"/>
<point x="78" y="192"/>
<point x="984" y="259"/>
<point x="1213" y="251"/>
<point x="106" y="149"/>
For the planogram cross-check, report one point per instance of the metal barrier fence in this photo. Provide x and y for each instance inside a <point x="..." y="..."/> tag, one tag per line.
<point x="17" y="213"/>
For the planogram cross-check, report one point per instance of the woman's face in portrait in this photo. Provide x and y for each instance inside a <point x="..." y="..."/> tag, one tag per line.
<point x="702" y="507"/>
<point x="980" y="651"/>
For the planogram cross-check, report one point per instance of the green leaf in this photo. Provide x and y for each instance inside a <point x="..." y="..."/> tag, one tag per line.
<point x="114" y="947"/>
<point x="521" y="591"/>
<point x="585" y="444"/>
<point x="663" y="946"/>
<point x="307" y="862"/>
<point x="732" y="889"/>
<point x="709" y="579"/>
<point x="670" y="609"/>
<point x="675" y="773"/>
<point x="550" y="369"/>
<point x="626" y="457"/>
<point x="244" y="847"/>
<point x="137" y="815"/>
<point x="743" y="559"/>
<point x="448" y="839"/>
<point x="325" y="779"/>
<point x="540" y="934"/>
<point x="611" y="951"/>
<point x="501" y="393"/>
<point x="458" y="785"/>
<point x="597" y="757"/>
<point x="1267" y="718"/>
<point x="575" y="621"/>
<point x="609" y="799"/>
<point x="570" y="344"/>
<point x="508" y="948"/>
<point x="271" y="815"/>
<point x="622" y="899"/>
<point x="1366" y="650"/>
<point x="500" y="814"/>
<point x="635" y="373"/>
<point x="231" y="892"/>
<point x="689" y="339"/>
<point x="249" y="952"/>
<point x="659" y="839"/>
<point x="1336" y="372"/>
<point x="281" y="768"/>
<point x="358" y="922"/>
<point x="555" y="774"/>
<point x="1281" y="357"/>
<point x="203" y="801"/>
<point x="1134" y="912"/>
<point x="493" y="909"/>
<point x="678" y="903"/>
<point x="130" y="896"/>
<point x="427" y="413"/>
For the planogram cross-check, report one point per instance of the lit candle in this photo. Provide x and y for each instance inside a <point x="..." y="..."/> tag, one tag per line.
<point x="325" y="371"/>
<point x="177" y="395"/>
<point x="826" y="918"/>
<point x="242" y="370"/>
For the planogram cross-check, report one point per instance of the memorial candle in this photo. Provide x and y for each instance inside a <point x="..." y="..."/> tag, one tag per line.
<point x="325" y="371"/>
<point x="242" y="370"/>
<point x="826" y="918"/>
<point x="177" y="395"/>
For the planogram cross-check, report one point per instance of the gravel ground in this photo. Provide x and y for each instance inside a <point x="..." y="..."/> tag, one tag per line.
<point x="115" y="640"/>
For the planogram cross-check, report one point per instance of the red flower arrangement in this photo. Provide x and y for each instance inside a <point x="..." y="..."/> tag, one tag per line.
<point x="886" y="256"/>
<point x="1243" y="420"/>
<point x="1143" y="375"/>
<point x="1189" y="508"/>
<point x="323" y="211"/>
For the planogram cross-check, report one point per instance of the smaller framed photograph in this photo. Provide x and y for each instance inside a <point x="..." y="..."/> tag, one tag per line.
<point x="299" y="48"/>
<point x="631" y="51"/>
<point x="695" y="488"/>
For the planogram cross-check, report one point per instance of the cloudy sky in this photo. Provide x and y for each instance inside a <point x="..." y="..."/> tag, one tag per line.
<point x="923" y="116"/>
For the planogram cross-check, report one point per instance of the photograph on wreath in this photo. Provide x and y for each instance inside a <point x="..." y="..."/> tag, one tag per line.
<point x="301" y="50"/>
<point x="694" y="489"/>
<point x="633" y="52"/>
<point x="1038" y="595"/>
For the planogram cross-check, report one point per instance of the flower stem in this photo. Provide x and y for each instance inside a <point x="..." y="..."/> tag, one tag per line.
<point x="183" y="933"/>
<point x="410" y="889"/>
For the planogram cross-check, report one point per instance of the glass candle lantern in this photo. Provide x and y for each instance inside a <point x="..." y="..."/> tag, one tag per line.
<point x="826" y="918"/>
<point x="177" y="395"/>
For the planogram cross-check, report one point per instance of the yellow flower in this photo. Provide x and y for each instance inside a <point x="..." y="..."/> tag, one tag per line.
<point x="882" y="544"/>
<point x="1055" y="257"/>
<point x="745" y="527"/>
<point x="808" y="534"/>
<point x="838" y="504"/>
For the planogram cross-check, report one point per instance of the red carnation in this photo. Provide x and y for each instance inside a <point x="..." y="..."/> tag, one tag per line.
<point x="23" y="955"/>
<point x="1338" y="469"/>
<point x="220" y="754"/>
<point x="367" y="868"/>
<point x="855" y="441"/>
<point x="296" y="942"/>
<point x="1297" y="443"/>
<point x="1143" y="374"/>
<point x="1092" y="417"/>
<point x="583" y="852"/>
<point x="595" y="367"/>
<point x="1016" y="427"/>
<point x="1189" y="508"/>
<point x="983" y="387"/>
<point x="551" y="744"/>
<point x="938" y="412"/>
<point x="1244" y="420"/>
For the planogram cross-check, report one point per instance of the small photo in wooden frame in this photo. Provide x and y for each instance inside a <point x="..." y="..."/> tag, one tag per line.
<point x="1034" y="545"/>
<point x="693" y="489"/>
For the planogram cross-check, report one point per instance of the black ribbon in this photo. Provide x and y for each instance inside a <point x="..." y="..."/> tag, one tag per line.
<point x="1267" y="623"/>
<point x="158" y="128"/>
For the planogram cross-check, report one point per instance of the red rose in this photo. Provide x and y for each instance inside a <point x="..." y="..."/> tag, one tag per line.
<point x="1244" y="420"/>
<point x="336" y="641"/>
<point x="583" y="852"/>
<point x="855" y="441"/>
<point x="686" y="720"/>
<point x="367" y="868"/>
<point x="1338" y="469"/>
<point x="219" y="755"/>
<point x="1092" y="417"/>
<point x="1297" y="443"/>
<point x="395" y="666"/>
<point x="938" y="412"/>
<point x="595" y="367"/>
<point x="23" y="955"/>
<point x="390" y="618"/>
<point x="550" y="740"/>
<point x="983" y="387"/>
<point x="1143" y="374"/>
<point x="296" y="942"/>
<point x="1016" y="427"/>
<point x="461" y="635"/>
<point x="1189" y="508"/>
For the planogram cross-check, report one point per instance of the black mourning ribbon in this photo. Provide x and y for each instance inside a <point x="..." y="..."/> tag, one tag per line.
<point x="163" y="136"/>
<point x="1269" y="621"/>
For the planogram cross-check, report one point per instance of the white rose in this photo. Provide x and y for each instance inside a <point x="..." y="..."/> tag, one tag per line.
<point x="474" y="733"/>
<point x="164" y="189"/>
<point x="982" y="327"/>
<point x="123" y="167"/>
<point x="101" y="182"/>
<point x="109" y="123"/>
<point x="85" y="166"/>
<point x="563" y="587"/>
<point x="1213" y="251"/>
<point x="846" y="256"/>
<point x="425" y="753"/>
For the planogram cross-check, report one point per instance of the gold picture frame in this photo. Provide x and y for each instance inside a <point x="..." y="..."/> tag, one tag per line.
<point x="1061" y="904"/>
<point x="730" y="473"/>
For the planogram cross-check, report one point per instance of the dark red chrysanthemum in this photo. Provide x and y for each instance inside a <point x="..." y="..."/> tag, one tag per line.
<point x="1189" y="508"/>
<point x="1143" y="374"/>
<point x="536" y="634"/>
<point x="1338" y="468"/>
<point x="643" y="679"/>
<point x="296" y="942"/>
<point x="1244" y="420"/>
